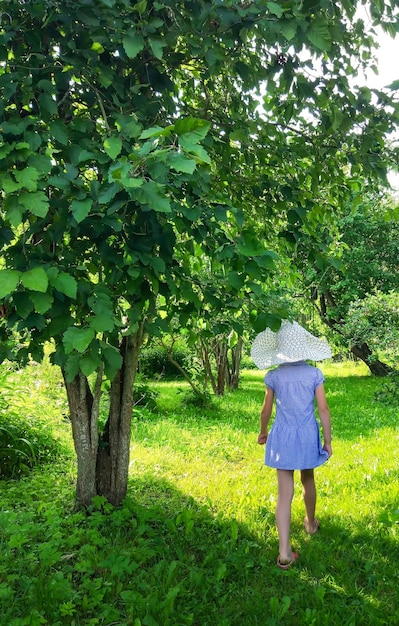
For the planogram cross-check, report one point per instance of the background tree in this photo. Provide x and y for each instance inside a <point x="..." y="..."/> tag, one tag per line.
<point x="133" y="146"/>
<point x="358" y="260"/>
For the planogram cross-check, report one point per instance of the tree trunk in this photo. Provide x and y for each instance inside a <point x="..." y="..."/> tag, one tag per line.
<point x="233" y="371"/>
<point x="103" y="462"/>
<point x="220" y="354"/>
<point x="376" y="367"/>
<point x="206" y="362"/>
<point x="83" y="408"/>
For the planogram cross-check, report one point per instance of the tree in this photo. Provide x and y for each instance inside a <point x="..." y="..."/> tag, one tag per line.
<point x="375" y="320"/>
<point x="133" y="149"/>
<point x="361" y="260"/>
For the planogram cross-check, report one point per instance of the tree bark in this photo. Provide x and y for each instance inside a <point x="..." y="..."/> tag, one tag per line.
<point x="84" y="419"/>
<point x="112" y="468"/>
<point x="377" y="367"/>
<point x="220" y="354"/>
<point x="103" y="461"/>
<point x="233" y="371"/>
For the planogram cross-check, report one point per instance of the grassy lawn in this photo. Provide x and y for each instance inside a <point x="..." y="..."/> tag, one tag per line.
<point x="196" y="542"/>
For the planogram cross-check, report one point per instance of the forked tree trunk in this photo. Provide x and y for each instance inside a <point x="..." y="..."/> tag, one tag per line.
<point x="103" y="461"/>
<point x="233" y="369"/>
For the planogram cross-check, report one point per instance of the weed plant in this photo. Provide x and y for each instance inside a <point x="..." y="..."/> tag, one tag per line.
<point x="195" y="542"/>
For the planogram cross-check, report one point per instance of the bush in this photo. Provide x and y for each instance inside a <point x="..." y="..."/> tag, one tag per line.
<point x="144" y="396"/>
<point x="26" y="440"/>
<point x="22" y="446"/>
<point x="154" y="362"/>
<point x="202" y="400"/>
<point x="247" y="363"/>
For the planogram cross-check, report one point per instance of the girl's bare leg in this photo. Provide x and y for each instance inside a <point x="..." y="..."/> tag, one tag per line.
<point x="285" y="480"/>
<point x="309" y="497"/>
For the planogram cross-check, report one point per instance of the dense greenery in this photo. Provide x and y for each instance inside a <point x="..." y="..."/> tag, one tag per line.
<point x="195" y="541"/>
<point x="359" y="259"/>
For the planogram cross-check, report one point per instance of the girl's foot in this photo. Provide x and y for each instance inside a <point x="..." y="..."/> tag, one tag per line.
<point x="286" y="563"/>
<point x="311" y="529"/>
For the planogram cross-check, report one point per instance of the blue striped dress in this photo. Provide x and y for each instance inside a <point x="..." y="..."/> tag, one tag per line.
<point x="294" y="440"/>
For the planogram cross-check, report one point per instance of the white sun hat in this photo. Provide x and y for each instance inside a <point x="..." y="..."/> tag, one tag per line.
<point x="291" y="343"/>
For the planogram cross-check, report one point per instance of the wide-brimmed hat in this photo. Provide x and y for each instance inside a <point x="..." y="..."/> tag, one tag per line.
<point x="291" y="343"/>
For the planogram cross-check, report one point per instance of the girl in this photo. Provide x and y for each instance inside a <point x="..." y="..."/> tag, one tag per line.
<point x="294" y="440"/>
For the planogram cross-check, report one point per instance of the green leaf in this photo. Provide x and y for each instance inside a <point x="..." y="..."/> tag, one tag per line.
<point x="181" y="163"/>
<point x="157" y="46"/>
<point x="81" y="208"/>
<point x="9" y="185"/>
<point x="102" y="322"/>
<point x="275" y="8"/>
<point x="36" y="202"/>
<point x="266" y="320"/>
<point x="236" y="279"/>
<point x="196" y="128"/>
<point x="89" y="364"/>
<point x="48" y="105"/>
<point x="108" y="193"/>
<point x="156" y="131"/>
<point x="112" y="360"/>
<point x="59" y="131"/>
<point x="23" y="304"/>
<point x="267" y="260"/>
<point x="133" y="43"/>
<point x="9" y="280"/>
<point x="251" y="247"/>
<point x="72" y="366"/>
<point x="77" y="339"/>
<point x="35" y="279"/>
<point x="42" y="301"/>
<point x="97" y="47"/>
<point x="194" y="149"/>
<point x="113" y="146"/>
<point x="41" y="163"/>
<point x="66" y="284"/>
<point x="151" y="194"/>
<point x="141" y="6"/>
<point x="319" y="35"/>
<point x="289" y="29"/>
<point x="79" y="155"/>
<point x="27" y="178"/>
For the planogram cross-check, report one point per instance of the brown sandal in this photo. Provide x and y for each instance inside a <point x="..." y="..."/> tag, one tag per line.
<point x="315" y="528"/>
<point x="284" y="564"/>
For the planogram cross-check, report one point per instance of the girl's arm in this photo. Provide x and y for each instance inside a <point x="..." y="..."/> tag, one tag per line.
<point x="324" y="413"/>
<point x="265" y="415"/>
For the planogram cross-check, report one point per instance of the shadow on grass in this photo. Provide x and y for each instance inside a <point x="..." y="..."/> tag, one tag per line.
<point x="226" y="576"/>
<point x="163" y="559"/>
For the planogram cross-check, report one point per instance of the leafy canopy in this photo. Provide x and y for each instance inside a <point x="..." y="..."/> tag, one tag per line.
<point x="143" y="144"/>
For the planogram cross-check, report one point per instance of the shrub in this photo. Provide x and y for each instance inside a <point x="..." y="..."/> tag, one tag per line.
<point x="201" y="400"/>
<point x="144" y="396"/>
<point x="26" y="440"/>
<point x="154" y="362"/>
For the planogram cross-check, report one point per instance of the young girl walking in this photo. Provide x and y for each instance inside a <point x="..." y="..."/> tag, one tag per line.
<point x="294" y="441"/>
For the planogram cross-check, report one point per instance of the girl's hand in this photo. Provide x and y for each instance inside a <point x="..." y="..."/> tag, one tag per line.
<point x="327" y="447"/>
<point x="262" y="438"/>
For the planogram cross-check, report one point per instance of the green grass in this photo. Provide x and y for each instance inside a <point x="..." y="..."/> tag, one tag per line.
<point x="195" y="542"/>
